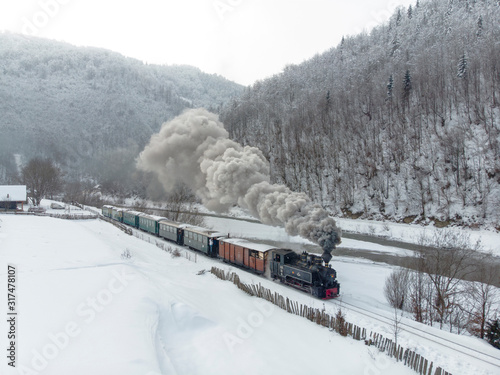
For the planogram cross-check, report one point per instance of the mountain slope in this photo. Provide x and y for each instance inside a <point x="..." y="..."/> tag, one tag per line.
<point x="80" y="105"/>
<point x="402" y="123"/>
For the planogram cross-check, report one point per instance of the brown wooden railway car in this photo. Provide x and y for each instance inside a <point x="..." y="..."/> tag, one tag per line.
<point x="245" y="254"/>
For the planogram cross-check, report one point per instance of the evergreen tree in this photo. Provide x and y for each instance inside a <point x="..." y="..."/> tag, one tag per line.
<point x="462" y="67"/>
<point x="390" y="87"/>
<point x="410" y="12"/>
<point x="407" y="87"/>
<point x="398" y="18"/>
<point x="479" y="32"/>
<point x="493" y="333"/>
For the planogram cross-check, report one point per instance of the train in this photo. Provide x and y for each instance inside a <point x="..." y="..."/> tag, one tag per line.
<point x="303" y="271"/>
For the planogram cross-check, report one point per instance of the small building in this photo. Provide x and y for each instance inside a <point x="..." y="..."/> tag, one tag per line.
<point x="12" y="197"/>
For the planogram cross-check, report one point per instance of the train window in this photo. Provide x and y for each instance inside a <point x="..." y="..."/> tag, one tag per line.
<point x="277" y="258"/>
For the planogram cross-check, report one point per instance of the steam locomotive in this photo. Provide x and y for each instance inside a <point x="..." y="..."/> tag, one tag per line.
<point x="302" y="271"/>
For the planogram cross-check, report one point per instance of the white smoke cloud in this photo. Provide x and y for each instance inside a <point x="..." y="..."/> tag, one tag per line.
<point x="194" y="148"/>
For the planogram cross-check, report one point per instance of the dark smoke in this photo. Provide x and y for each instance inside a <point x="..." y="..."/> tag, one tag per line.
<point x="194" y="148"/>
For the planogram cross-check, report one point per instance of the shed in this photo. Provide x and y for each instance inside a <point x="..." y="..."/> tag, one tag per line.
<point x="12" y="197"/>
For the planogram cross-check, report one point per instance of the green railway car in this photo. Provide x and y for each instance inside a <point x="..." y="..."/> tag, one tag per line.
<point x="204" y="240"/>
<point x="172" y="231"/>
<point x="107" y="210"/>
<point x="117" y="214"/>
<point x="150" y="223"/>
<point x="131" y="218"/>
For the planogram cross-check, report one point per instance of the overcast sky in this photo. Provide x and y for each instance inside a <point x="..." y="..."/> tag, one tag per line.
<point x="242" y="40"/>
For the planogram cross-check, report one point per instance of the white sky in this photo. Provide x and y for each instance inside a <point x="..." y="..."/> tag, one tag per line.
<point x="242" y="40"/>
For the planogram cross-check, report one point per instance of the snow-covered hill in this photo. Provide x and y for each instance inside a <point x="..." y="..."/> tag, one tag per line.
<point x="400" y="123"/>
<point x="79" y="106"/>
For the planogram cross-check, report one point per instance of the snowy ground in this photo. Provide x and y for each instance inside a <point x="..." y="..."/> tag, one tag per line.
<point x="83" y="308"/>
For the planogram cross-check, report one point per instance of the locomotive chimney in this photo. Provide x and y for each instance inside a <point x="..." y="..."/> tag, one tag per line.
<point x="327" y="256"/>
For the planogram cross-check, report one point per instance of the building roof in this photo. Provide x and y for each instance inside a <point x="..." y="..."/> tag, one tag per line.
<point x="13" y="193"/>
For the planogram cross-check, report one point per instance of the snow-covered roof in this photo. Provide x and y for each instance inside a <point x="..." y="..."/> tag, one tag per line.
<point x="151" y="217"/>
<point x="15" y="193"/>
<point x="175" y="224"/>
<point x="132" y="212"/>
<point x="249" y="245"/>
<point x="205" y="231"/>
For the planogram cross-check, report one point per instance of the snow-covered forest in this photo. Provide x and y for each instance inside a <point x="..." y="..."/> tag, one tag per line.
<point x="89" y="108"/>
<point x="402" y="123"/>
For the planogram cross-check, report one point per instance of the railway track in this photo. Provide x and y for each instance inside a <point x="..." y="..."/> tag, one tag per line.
<point x="457" y="347"/>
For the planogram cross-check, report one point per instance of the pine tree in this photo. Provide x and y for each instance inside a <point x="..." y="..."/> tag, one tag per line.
<point x="462" y="67"/>
<point x="407" y="87"/>
<point x="390" y="87"/>
<point x="398" y="18"/>
<point x="410" y="12"/>
<point x="479" y="32"/>
<point x="493" y="333"/>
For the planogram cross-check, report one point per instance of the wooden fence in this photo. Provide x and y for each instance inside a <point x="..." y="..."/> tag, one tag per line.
<point x="335" y="323"/>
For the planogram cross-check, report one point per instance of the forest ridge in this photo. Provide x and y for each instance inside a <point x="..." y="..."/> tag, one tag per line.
<point x="402" y="123"/>
<point x="90" y="110"/>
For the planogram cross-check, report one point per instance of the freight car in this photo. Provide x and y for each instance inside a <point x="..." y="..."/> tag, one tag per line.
<point x="245" y="254"/>
<point x="305" y="272"/>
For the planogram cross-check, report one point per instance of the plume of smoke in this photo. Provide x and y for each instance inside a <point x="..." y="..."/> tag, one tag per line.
<point x="194" y="148"/>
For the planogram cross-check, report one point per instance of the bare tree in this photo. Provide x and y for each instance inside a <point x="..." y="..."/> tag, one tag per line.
<point x="396" y="326"/>
<point x="396" y="288"/>
<point x="41" y="178"/>
<point x="449" y="260"/>
<point x="484" y="296"/>
<point x="181" y="206"/>
<point x="420" y="295"/>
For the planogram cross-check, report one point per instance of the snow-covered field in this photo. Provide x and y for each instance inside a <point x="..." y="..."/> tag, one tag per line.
<point x="84" y="308"/>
